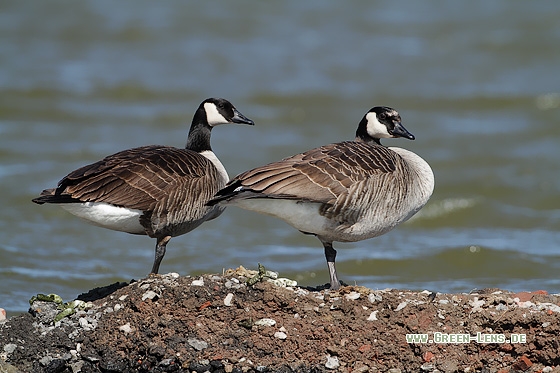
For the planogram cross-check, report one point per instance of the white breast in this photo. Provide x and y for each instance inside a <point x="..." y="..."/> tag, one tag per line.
<point x="423" y="183"/>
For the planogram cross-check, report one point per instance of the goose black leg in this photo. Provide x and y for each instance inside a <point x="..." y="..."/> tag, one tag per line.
<point x="160" y="252"/>
<point x="330" y="255"/>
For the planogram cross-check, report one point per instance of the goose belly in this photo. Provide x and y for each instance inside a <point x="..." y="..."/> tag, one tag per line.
<point x="306" y="217"/>
<point x="107" y="216"/>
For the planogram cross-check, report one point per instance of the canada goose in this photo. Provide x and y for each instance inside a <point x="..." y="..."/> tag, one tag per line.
<point x="155" y="190"/>
<point x="347" y="192"/>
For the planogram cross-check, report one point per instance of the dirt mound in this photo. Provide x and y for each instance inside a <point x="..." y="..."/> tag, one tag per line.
<point x="219" y="323"/>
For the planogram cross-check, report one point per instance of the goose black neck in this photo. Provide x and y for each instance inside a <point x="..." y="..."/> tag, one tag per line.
<point x="363" y="135"/>
<point x="199" y="134"/>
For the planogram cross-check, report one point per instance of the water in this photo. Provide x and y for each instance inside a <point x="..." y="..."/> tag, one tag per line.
<point x="476" y="83"/>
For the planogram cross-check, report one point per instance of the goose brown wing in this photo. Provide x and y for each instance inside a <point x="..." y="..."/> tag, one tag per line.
<point x="136" y="178"/>
<point x="321" y="175"/>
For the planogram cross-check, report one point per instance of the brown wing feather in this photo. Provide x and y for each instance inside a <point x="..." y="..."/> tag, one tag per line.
<point x="137" y="178"/>
<point x="322" y="174"/>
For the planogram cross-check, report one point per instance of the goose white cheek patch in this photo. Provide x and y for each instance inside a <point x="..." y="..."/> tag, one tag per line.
<point x="213" y="116"/>
<point x="375" y="128"/>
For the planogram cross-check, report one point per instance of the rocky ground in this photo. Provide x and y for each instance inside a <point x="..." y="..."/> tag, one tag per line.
<point x="221" y="323"/>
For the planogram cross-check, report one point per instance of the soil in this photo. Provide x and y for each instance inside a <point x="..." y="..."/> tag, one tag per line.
<point x="220" y="323"/>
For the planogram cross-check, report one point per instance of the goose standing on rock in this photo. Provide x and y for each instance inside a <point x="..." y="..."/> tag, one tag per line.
<point x="154" y="190"/>
<point x="347" y="192"/>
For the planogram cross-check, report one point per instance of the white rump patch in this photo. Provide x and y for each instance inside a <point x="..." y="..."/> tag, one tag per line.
<point x="375" y="128"/>
<point x="107" y="216"/>
<point x="213" y="116"/>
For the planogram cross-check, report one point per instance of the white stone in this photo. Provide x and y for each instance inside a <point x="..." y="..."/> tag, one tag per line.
<point x="228" y="299"/>
<point x="126" y="328"/>
<point x="84" y="323"/>
<point x="265" y="322"/>
<point x="199" y="282"/>
<point x="280" y="335"/>
<point x="353" y="295"/>
<point x="332" y="362"/>
<point x="475" y="303"/>
<point x="284" y="282"/>
<point x="150" y="294"/>
<point x="9" y="348"/>
<point x="373" y="316"/>
<point x="401" y="306"/>
<point x="374" y="297"/>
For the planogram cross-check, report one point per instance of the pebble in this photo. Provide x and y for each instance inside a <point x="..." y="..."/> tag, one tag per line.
<point x="283" y="282"/>
<point x="280" y="335"/>
<point x="401" y="306"/>
<point x="426" y="367"/>
<point x="126" y="328"/>
<point x="475" y="303"/>
<point x="332" y="362"/>
<point x="265" y="322"/>
<point x="228" y="299"/>
<point x="199" y="282"/>
<point x="9" y="348"/>
<point x="360" y="367"/>
<point x="150" y="294"/>
<point x="45" y="360"/>
<point x="271" y="274"/>
<point x="549" y="306"/>
<point x="77" y="366"/>
<point x="2" y="314"/>
<point x="84" y="323"/>
<point x="501" y="307"/>
<point x="353" y="295"/>
<point x="197" y="344"/>
<point x="374" y="297"/>
<point x="373" y="316"/>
